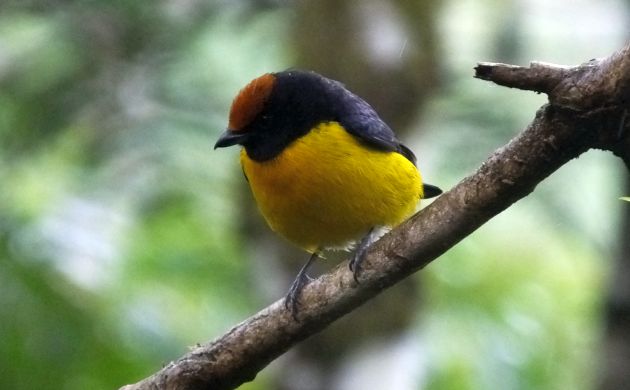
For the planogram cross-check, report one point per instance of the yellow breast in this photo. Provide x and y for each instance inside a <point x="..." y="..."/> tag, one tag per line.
<point x="326" y="189"/>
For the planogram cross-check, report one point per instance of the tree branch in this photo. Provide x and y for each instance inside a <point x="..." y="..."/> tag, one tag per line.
<point x="587" y="106"/>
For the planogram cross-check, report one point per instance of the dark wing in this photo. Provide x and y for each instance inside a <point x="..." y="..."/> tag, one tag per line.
<point x="360" y="120"/>
<point x="405" y="151"/>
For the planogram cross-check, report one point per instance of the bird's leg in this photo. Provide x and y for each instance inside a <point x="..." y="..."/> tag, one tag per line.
<point x="291" y="300"/>
<point x="359" y="253"/>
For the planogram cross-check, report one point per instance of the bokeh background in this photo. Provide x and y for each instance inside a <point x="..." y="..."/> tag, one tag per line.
<point x="125" y="239"/>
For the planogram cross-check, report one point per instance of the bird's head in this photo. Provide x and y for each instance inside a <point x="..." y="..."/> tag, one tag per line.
<point x="275" y="109"/>
<point x="246" y="107"/>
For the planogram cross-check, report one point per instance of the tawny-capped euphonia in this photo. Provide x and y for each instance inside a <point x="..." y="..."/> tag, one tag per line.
<point x="324" y="169"/>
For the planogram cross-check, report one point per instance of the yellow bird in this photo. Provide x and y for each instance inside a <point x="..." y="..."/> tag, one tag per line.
<point x="324" y="169"/>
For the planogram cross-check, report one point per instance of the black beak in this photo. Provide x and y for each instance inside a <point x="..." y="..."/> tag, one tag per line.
<point x="229" y="138"/>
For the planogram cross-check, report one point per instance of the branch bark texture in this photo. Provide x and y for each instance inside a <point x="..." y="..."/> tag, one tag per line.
<point x="587" y="109"/>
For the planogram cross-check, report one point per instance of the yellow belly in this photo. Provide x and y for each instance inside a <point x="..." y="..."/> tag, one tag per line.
<point x="326" y="189"/>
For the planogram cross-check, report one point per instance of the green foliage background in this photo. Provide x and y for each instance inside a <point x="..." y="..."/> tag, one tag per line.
<point x="120" y="240"/>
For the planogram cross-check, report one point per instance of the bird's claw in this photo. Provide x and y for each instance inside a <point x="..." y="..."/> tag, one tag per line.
<point x="292" y="300"/>
<point x="355" y="264"/>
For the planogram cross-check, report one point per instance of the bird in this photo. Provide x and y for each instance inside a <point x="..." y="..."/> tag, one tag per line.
<point x="325" y="170"/>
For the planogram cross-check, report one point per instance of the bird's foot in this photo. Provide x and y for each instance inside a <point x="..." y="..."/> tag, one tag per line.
<point x="292" y="300"/>
<point x="359" y="253"/>
<point x="355" y="262"/>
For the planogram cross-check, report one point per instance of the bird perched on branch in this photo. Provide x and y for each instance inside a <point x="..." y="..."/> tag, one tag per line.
<point x="324" y="169"/>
